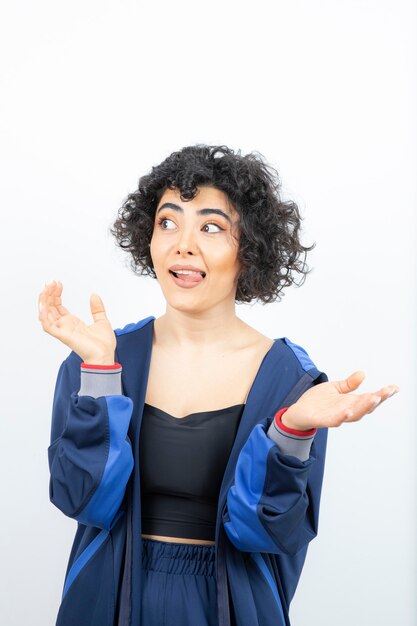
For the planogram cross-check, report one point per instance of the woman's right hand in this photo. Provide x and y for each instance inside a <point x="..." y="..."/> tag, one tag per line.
<point x="95" y="343"/>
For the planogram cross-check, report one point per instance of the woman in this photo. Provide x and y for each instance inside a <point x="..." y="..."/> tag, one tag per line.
<point x="190" y="448"/>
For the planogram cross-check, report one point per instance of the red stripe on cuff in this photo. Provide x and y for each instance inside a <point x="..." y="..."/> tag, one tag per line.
<point x="100" y="367"/>
<point x="292" y="431"/>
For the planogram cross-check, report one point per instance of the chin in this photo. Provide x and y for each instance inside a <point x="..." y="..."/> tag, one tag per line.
<point x="184" y="304"/>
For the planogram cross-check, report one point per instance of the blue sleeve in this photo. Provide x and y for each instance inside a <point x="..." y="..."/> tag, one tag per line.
<point x="273" y="505"/>
<point x="90" y="456"/>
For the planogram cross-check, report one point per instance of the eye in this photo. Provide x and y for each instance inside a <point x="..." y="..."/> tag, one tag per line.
<point x="214" y="224"/>
<point x="164" y="219"/>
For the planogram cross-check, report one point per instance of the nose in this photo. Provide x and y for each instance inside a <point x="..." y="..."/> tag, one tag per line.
<point x="186" y="241"/>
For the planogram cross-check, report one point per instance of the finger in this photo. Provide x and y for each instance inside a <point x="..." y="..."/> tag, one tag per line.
<point x="43" y="315"/>
<point x="97" y="308"/>
<point x="57" y="299"/>
<point x="43" y="300"/>
<point x="351" y="382"/>
<point x="386" y="392"/>
<point x="51" y="298"/>
<point x="361" y="406"/>
<point x="46" y="315"/>
<point x="53" y="319"/>
<point x="50" y="293"/>
<point x="43" y="295"/>
<point x="49" y="322"/>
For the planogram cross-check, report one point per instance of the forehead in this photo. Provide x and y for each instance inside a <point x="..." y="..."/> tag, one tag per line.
<point x="206" y="197"/>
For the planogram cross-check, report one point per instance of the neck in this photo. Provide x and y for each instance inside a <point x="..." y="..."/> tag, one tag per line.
<point x="211" y="329"/>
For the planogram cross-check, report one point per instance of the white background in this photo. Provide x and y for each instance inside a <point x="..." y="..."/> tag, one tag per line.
<point x="93" y="94"/>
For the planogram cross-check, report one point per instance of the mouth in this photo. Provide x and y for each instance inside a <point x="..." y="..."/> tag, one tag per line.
<point x="177" y="275"/>
<point x="187" y="280"/>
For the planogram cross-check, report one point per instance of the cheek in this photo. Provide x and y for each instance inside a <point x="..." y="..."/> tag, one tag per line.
<point x="156" y="247"/>
<point x="227" y="263"/>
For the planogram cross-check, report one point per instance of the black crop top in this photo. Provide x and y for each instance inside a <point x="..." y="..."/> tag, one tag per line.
<point x="182" y="462"/>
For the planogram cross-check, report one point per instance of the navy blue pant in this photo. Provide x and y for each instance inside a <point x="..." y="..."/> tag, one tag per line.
<point x="179" y="584"/>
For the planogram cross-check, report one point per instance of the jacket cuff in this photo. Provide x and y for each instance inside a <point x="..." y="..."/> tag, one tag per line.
<point x="290" y="441"/>
<point x="100" y="380"/>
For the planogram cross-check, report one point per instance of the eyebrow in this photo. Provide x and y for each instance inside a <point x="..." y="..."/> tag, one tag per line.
<point x="171" y="205"/>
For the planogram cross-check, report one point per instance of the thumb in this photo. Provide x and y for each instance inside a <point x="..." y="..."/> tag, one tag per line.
<point x="97" y="308"/>
<point x="351" y="382"/>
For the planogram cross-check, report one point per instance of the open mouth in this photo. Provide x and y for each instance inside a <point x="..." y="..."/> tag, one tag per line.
<point x="187" y="281"/>
<point x="185" y="276"/>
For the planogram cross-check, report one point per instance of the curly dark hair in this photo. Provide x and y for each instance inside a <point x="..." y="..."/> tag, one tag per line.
<point x="269" y="246"/>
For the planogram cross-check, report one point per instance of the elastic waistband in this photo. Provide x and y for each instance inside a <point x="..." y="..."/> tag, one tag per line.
<point x="178" y="558"/>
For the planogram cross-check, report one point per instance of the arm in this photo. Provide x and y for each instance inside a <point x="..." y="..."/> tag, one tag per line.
<point x="90" y="457"/>
<point x="273" y="505"/>
<point x="274" y="502"/>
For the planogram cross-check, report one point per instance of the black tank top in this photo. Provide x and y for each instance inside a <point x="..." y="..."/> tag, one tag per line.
<point x="181" y="464"/>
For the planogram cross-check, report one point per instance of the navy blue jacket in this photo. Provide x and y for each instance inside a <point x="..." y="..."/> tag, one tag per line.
<point x="268" y="504"/>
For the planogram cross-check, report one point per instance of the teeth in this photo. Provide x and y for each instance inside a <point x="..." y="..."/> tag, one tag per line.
<point x="187" y="272"/>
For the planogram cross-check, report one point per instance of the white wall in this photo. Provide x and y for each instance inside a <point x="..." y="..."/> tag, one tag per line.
<point x="94" y="94"/>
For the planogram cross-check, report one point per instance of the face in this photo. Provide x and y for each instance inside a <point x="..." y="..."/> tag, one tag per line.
<point x="201" y="233"/>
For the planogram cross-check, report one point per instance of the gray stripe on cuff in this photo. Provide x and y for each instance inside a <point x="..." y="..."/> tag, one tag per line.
<point x="290" y="444"/>
<point x="97" y="383"/>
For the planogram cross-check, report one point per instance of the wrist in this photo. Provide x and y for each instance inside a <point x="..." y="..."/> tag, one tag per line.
<point x="97" y="367"/>
<point x="290" y="441"/>
<point x="106" y="360"/>
<point x="283" y="418"/>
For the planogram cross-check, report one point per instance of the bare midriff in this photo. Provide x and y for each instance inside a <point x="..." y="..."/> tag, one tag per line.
<point x="180" y="540"/>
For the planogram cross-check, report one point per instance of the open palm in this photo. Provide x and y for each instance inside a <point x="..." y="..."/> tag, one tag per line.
<point x="331" y="404"/>
<point x="95" y="343"/>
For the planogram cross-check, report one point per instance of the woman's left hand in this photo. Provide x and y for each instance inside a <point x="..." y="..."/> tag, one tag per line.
<point x="331" y="404"/>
